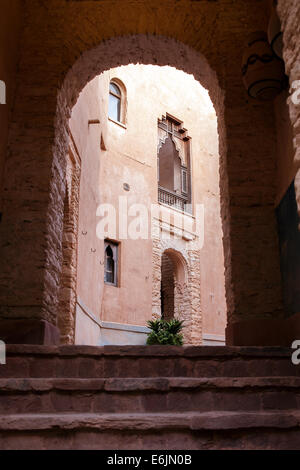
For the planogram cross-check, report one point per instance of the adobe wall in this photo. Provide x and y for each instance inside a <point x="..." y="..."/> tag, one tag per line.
<point x="167" y="286"/>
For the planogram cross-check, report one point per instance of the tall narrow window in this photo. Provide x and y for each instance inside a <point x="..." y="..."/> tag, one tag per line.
<point x="174" y="185"/>
<point x="114" y="106"/>
<point x="111" y="263"/>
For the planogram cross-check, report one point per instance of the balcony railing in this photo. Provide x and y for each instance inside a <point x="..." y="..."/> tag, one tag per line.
<point x="165" y="196"/>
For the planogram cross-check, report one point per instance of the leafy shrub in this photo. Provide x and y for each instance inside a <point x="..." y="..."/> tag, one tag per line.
<point x="165" y="332"/>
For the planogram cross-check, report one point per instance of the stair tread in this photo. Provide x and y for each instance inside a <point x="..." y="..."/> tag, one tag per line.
<point x="143" y="383"/>
<point x="207" y="352"/>
<point x="194" y="421"/>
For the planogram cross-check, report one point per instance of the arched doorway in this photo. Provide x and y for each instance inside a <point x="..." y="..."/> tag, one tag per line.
<point x="175" y="273"/>
<point x="178" y="297"/>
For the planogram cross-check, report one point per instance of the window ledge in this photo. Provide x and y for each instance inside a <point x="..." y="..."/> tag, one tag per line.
<point x="110" y="284"/>
<point x="118" y="123"/>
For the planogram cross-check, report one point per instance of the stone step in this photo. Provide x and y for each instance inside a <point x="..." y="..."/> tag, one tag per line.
<point x="143" y="395"/>
<point x="162" y="431"/>
<point x="147" y="361"/>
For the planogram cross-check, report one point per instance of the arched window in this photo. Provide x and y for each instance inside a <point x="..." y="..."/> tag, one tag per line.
<point x="115" y="101"/>
<point x="169" y="166"/>
<point x="111" y="263"/>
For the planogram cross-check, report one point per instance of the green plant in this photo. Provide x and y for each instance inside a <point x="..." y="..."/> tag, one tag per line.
<point x="165" y="332"/>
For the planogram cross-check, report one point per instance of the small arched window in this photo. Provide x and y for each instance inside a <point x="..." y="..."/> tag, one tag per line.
<point x="115" y="101"/>
<point x="111" y="263"/>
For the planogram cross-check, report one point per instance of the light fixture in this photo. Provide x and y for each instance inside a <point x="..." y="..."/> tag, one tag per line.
<point x="263" y="72"/>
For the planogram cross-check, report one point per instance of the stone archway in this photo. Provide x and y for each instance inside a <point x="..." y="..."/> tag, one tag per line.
<point x="174" y="282"/>
<point x="67" y="288"/>
<point x="31" y="228"/>
<point x="177" y="277"/>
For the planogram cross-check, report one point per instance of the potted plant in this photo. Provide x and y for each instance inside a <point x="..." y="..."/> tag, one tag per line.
<point x="165" y="332"/>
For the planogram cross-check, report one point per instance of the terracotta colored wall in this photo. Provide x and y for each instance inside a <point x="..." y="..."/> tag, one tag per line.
<point x="90" y="249"/>
<point x="10" y="29"/>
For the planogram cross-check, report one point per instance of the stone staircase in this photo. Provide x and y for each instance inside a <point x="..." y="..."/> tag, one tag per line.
<point x="81" y="397"/>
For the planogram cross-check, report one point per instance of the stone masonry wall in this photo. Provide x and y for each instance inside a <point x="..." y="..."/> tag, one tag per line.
<point x="183" y="263"/>
<point x="289" y="13"/>
<point x="67" y="293"/>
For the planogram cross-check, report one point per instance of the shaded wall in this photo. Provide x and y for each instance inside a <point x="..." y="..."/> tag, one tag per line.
<point x="11" y="16"/>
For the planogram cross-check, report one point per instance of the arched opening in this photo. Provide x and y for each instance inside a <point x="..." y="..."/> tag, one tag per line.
<point x="177" y="298"/>
<point x="127" y="169"/>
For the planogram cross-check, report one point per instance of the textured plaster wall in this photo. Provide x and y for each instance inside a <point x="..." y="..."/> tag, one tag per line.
<point x="167" y="286"/>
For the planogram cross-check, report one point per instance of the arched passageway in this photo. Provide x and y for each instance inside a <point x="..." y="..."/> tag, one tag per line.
<point x="38" y="144"/>
<point x="175" y="272"/>
<point x="179" y="298"/>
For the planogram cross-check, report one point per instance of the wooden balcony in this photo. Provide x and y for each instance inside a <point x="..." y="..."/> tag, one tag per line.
<point x="170" y="198"/>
